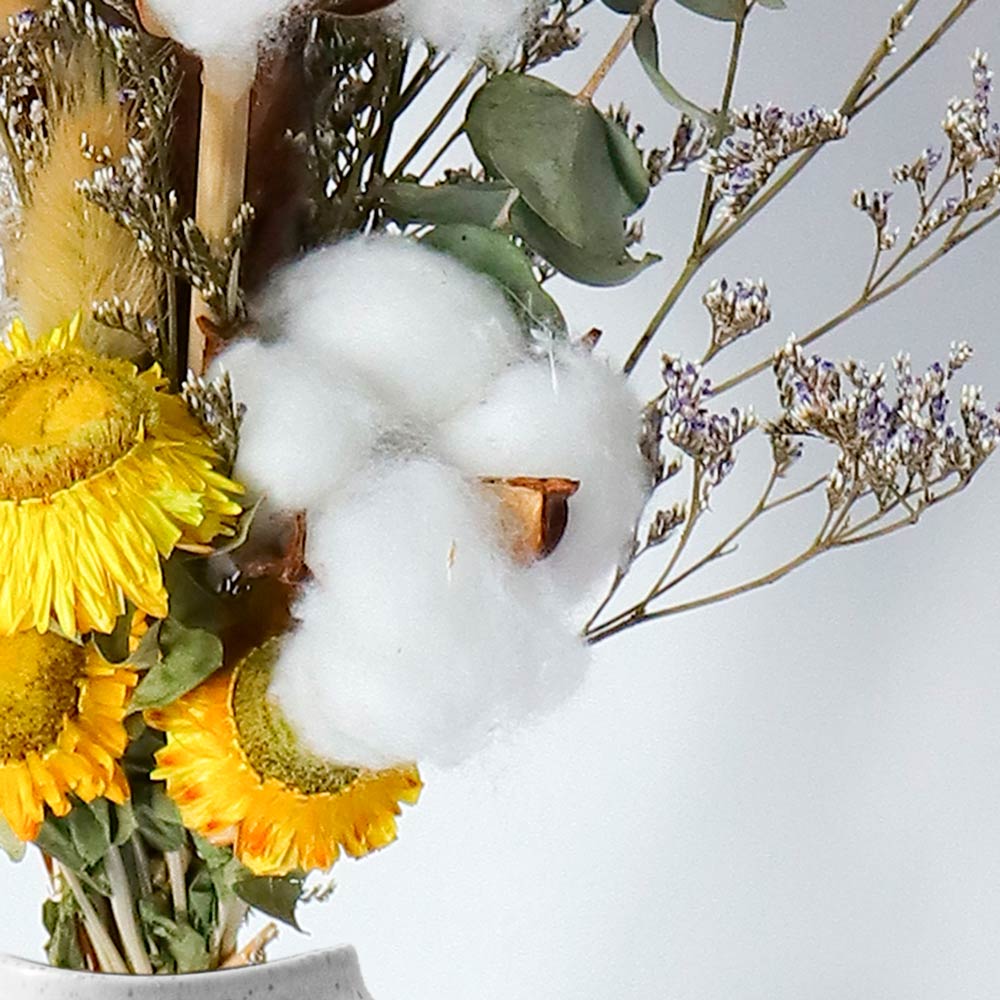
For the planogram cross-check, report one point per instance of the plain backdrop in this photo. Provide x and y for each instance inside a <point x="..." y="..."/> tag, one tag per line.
<point x="792" y="796"/>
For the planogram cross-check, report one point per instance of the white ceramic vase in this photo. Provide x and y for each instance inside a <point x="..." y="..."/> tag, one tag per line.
<point x="320" y="975"/>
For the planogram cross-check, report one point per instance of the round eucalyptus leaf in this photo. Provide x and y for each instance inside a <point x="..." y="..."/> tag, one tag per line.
<point x="719" y="10"/>
<point x="598" y="264"/>
<point x="476" y="203"/>
<point x="554" y="149"/>
<point x="492" y="253"/>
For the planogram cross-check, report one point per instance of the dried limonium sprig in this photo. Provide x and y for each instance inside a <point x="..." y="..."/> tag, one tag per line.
<point x="552" y="35"/>
<point x="875" y="205"/>
<point x="743" y="163"/>
<point x="891" y="446"/>
<point x="688" y="424"/>
<point x="735" y="310"/>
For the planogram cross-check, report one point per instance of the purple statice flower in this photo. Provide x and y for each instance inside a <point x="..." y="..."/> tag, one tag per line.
<point x="889" y="443"/>
<point x="688" y="424"/>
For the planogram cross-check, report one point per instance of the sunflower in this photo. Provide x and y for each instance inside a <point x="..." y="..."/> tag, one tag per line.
<point x="102" y="473"/>
<point x="238" y="775"/>
<point x="62" y="732"/>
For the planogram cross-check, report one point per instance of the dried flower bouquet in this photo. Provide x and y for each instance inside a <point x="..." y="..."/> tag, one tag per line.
<point x="294" y="437"/>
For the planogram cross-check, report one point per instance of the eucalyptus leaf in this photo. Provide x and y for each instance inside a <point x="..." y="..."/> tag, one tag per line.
<point x="277" y="897"/>
<point x="718" y="10"/>
<point x="492" y="253"/>
<point x="773" y="4"/>
<point x="624" y="6"/>
<point x="190" y="656"/>
<point x="554" y="149"/>
<point x="10" y="843"/>
<point x="632" y="172"/>
<point x="646" y="42"/>
<point x="596" y="265"/>
<point x="477" y="203"/>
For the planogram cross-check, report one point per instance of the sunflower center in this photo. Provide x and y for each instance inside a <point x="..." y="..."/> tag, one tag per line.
<point x="268" y="741"/>
<point x="39" y="677"/>
<point x="65" y="417"/>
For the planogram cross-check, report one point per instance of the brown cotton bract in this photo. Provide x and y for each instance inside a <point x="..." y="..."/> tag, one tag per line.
<point x="67" y="253"/>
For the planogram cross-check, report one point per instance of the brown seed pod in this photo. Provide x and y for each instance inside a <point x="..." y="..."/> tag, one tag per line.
<point x="533" y="513"/>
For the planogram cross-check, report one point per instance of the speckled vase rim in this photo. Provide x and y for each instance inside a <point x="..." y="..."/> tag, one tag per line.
<point x="319" y="975"/>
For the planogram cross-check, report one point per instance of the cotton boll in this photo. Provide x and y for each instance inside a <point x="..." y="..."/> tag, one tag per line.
<point x="491" y="26"/>
<point x="572" y="417"/>
<point x="426" y="332"/>
<point x="419" y="638"/>
<point x="305" y="432"/>
<point x="228" y="29"/>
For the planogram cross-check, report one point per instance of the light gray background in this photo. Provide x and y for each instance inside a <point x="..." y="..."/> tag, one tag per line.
<point x="789" y="796"/>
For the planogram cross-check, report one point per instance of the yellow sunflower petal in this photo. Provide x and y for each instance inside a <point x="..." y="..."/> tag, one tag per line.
<point x="282" y="812"/>
<point x="102" y="475"/>
<point x="62" y="731"/>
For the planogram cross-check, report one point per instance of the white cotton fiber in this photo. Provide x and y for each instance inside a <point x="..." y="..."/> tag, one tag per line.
<point x="306" y="431"/>
<point x="571" y="416"/>
<point x="424" y="331"/>
<point x="419" y="638"/>
<point x="220" y="28"/>
<point x="471" y="27"/>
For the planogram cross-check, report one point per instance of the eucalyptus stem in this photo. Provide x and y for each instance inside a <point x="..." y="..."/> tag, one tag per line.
<point x="124" y="912"/>
<point x="107" y="954"/>
<point x="618" y="47"/>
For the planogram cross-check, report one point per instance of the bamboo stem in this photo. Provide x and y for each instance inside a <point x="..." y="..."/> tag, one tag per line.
<point x="222" y="165"/>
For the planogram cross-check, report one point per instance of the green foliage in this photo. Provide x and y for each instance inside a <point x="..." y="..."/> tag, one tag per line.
<point x="476" y="203"/>
<point x="646" y="42"/>
<point x="554" y="150"/>
<point x="595" y="265"/>
<point x="718" y="10"/>
<point x="189" y="656"/>
<point x="494" y="254"/>
<point x="187" y="950"/>
<point x="624" y="6"/>
<point x="61" y="920"/>
<point x="277" y="897"/>
<point x="578" y="174"/>
<point x="114" y="647"/>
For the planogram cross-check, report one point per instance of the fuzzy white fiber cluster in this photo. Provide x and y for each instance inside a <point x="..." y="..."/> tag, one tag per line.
<point x="226" y="29"/>
<point x="470" y="27"/>
<point x="387" y="380"/>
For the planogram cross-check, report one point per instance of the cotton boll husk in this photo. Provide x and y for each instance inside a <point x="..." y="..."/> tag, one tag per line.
<point x="306" y="431"/>
<point x="570" y="415"/>
<point x="419" y="638"/>
<point x="228" y="29"/>
<point x="426" y="332"/>
<point x="494" y="27"/>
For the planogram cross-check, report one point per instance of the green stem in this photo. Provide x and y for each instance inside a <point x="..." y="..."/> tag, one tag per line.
<point x="107" y="954"/>
<point x="124" y="913"/>
<point x="177" y="875"/>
